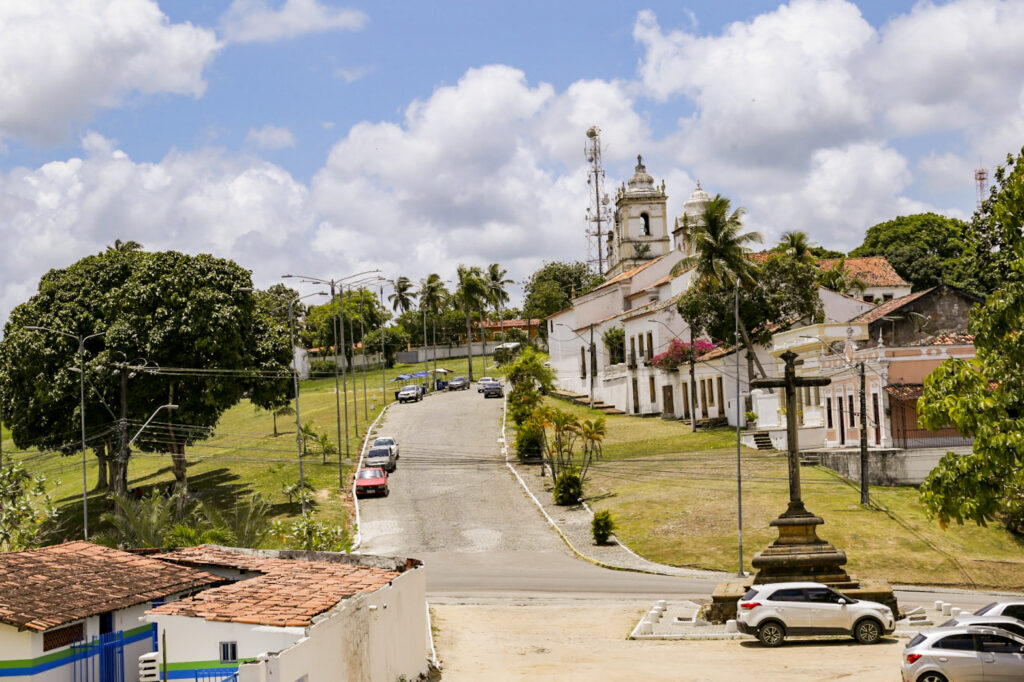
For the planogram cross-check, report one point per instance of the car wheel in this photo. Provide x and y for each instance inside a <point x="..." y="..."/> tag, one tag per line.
<point x="932" y="676"/>
<point x="387" y="491"/>
<point x="771" y="633"/>
<point x="867" y="631"/>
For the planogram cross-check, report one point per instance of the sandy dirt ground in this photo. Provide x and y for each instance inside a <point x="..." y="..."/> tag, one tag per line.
<point x="565" y="640"/>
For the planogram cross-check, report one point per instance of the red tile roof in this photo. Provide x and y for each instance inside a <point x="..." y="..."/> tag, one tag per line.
<point x="627" y="274"/>
<point x="874" y="271"/>
<point x="510" y="324"/>
<point x="883" y="309"/>
<point x="44" y="588"/>
<point x="905" y="391"/>
<point x="288" y="592"/>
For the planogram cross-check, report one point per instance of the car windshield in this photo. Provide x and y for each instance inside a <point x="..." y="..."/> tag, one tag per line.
<point x="379" y="452"/>
<point x="985" y="609"/>
<point x="371" y="473"/>
<point x="384" y="441"/>
<point x="408" y="388"/>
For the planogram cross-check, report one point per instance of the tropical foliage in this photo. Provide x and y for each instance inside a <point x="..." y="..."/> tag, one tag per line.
<point x="569" y="447"/>
<point x="679" y="353"/>
<point x="27" y="517"/>
<point x="552" y="287"/>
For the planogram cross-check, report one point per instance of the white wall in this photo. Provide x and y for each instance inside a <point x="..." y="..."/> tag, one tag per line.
<point x="381" y="635"/>
<point x="196" y="640"/>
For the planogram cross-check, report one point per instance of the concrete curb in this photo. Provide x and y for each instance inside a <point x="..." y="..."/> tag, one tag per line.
<point x="554" y="524"/>
<point x="355" y="498"/>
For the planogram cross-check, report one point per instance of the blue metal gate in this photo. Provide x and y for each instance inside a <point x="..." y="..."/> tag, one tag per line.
<point x="101" y="659"/>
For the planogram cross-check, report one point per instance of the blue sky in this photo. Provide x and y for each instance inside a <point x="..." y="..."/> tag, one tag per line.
<point x="330" y="137"/>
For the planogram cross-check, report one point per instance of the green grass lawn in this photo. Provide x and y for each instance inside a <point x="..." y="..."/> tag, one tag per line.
<point x="243" y="456"/>
<point x="674" y="499"/>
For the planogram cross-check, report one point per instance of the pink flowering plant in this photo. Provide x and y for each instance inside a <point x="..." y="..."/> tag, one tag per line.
<point x="679" y="352"/>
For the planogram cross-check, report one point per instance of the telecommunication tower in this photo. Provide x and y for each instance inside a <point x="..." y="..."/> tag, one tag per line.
<point x="599" y="214"/>
<point x="981" y="181"/>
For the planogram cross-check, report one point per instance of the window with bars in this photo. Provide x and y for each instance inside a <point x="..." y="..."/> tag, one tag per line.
<point x="65" y="636"/>
<point x="229" y="652"/>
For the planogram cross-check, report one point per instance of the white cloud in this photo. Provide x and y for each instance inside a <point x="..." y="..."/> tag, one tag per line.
<point x="58" y="65"/>
<point x="352" y="75"/>
<point x="254" y="21"/>
<point x="270" y="137"/>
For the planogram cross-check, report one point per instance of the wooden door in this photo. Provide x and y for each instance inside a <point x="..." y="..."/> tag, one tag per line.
<point x="667" y="401"/>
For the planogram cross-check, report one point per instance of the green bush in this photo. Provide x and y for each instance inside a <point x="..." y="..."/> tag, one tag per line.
<point x="568" y="488"/>
<point x="601" y="526"/>
<point x="322" y="367"/>
<point x="310" y="534"/>
<point x="529" y="441"/>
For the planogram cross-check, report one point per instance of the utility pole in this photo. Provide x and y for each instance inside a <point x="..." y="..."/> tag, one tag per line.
<point x="739" y="468"/>
<point x="693" y="384"/>
<point x="864" y="465"/>
<point x="383" y="351"/>
<point x="121" y="484"/>
<point x="337" y="321"/>
<point x="298" y="419"/>
<point x="593" y="365"/>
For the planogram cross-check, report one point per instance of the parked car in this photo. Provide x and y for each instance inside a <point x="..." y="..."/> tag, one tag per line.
<point x="1008" y="623"/>
<point x="493" y="390"/>
<point x="458" y="384"/>
<point x="410" y="393"/>
<point x="775" y="611"/>
<point x="963" y="654"/>
<point x="1010" y="607"/>
<point x="381" y="457"/>
<point x="387" y="442"/>
<point x="483" y="381"/>
<point x="372" y="481"/>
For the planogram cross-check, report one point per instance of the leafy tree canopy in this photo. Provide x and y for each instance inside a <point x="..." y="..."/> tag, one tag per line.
<point x="552" y="287"/>
<point x="784" y="289"/>
<point x="984" y="398"/>
<point x="925" y="249"/>
<point x="393" y="338"/>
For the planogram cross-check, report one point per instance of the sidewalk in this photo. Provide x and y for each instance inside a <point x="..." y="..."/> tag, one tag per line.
<point x="573" y="524"/>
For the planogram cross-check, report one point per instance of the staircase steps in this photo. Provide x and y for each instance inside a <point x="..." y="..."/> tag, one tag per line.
<point x="763" y="441"/>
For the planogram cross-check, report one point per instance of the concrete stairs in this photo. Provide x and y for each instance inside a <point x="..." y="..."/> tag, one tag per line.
<point x="763" y="441"/>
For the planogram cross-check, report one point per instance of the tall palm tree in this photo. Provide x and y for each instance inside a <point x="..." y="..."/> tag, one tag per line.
<point x="432" y="298"/>
<point x="719" y="245"/>
<point x="498" y="296"/>
<point x="404" y="295"/>
<point x="720" y="253"/>
<point x="798" y="245"/>
<point x="471" y="292"/>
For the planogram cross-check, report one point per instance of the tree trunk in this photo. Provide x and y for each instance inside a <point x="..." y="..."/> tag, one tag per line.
<point x="274" y="413"/>
<point x="469" y="344"/>
<point x="750" y="348"/>
<point x="101" y="460"/>
<point x="177" y="454"/>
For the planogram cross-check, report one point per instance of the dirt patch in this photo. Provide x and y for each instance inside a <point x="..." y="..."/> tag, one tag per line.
<point x="586" y="641"/>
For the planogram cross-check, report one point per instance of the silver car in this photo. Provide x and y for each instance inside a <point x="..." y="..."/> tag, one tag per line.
<point x="1009" y="607"/>
<point x="964" y="654"/>
<point x="381" y="457"/>
<point x="387" y="442"/>
<point x="1007" y="623"/>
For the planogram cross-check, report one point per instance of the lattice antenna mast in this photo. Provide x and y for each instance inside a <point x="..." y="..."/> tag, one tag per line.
<point x="981" y="181"/>
<point x="599" y="214"/>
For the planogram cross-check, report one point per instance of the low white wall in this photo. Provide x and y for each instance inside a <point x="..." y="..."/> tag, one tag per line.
<point x="382" y="635"/>
<point x="195" y="642"/>
<point x="888" y="467"/>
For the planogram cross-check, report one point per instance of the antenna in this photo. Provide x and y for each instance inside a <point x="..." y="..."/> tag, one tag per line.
<point x="981" y="180"/>
<point x="599" y="214"/>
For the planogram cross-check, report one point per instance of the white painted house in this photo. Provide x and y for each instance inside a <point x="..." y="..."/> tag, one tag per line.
<point x="71" y="612"/>
<point x="291" y="615"/>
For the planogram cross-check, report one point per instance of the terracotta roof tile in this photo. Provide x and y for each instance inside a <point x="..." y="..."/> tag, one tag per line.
<point x="883" y="309"/>
<point x="44" y="588"/>
<point x="874" y="271"/>
<point x="287" y="592"/>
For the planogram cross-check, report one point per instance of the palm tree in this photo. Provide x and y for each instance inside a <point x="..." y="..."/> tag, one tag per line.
<point x="798" y="245"/>
<point x="720" y="253"/>
<point x="471" y="292"/>
<point x="837" y="278"/>
<point x="120" y="246"/>
<point x="432" y="298"/>
<point x="719" y="245"/>
<point x="404" y="295"/>
<point x="496" y="284"/>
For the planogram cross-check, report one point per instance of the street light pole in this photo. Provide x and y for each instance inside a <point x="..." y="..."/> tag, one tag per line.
<point x="865" y="498"/>
<point x="593" y="365"/>
<point x="81" y="410"/>
<point x="739" y="467"/>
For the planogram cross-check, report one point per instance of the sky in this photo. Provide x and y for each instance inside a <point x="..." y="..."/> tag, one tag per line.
<point x="327" y="138"/>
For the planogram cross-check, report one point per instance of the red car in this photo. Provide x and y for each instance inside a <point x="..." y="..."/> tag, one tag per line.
<point x="372" y="481"/>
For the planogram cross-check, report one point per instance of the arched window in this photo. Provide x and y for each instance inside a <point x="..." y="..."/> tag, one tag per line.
<point x="647" y="225"/>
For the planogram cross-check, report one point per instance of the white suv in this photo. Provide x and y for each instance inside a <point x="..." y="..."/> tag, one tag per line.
<point x="775" y="611"/>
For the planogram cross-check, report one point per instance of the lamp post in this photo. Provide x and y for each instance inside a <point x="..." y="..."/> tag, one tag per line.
<point x="739" y="467"/>
<point x="81" y="409"/>
<point x="295" y="383"/>
<point x="352" y="336"/>
<point x="138" y="433"/>
<point x="335" y="323"/>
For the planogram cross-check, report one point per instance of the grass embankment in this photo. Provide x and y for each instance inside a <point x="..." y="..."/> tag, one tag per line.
<point x="673" y="496"/>
<point x="243" y="456"/>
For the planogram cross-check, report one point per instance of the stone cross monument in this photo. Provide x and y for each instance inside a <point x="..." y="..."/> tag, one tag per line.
<point x="798" y="554"/>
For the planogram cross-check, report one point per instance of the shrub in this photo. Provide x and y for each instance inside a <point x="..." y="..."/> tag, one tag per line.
<point x="310" y="534"/>
<point x="568" y="488"/>
<point x="529" y="441"/>
<point x="322" y="367"/>
<point x="601" y="526"/>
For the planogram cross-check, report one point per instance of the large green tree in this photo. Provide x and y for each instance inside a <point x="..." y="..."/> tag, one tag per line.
<point x="984" y="397"/>
<point x="925" y="248"/>
<point x="552" y="287"/>
<point x="176" y="329"/>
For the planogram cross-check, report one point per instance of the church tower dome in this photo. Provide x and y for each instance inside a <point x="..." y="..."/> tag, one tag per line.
<point x="640" y="231"/>
<point x="693" y="211"/>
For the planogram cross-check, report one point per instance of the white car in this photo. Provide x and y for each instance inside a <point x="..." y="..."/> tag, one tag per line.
<point x="386" y="442"/>
<point x="1010" y="607"/>
<point x="963" y="653"/>
<point x="775" y="611"/>
<point x="483" y="382"/>
<point x="410" y="393"/>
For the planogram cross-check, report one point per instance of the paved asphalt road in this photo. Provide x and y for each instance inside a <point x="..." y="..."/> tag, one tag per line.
<point x="455" y="506"/>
